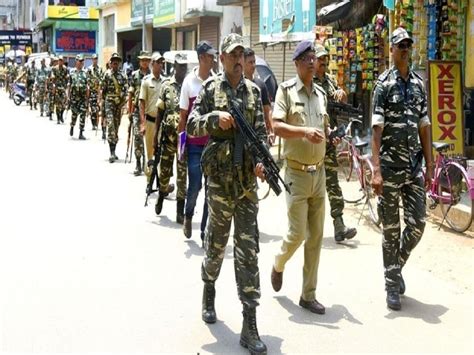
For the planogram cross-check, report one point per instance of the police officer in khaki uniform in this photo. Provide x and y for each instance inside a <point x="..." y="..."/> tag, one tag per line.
<point x="300" y="118"/>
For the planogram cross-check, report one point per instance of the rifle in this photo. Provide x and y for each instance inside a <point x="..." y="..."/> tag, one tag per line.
<point x="342" y="109"/>
<point x="258" y="149"/>
<point x="130" y="118"/>
<point x="154" y="174"/>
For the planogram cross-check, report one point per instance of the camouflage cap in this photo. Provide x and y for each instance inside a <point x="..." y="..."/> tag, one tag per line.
<point x="144" y="55"/>
<point x="181" y="58"/>
<point x="399" y="35"/>
<point x="320" y="51"/>
<point x="94" y="56"/>
<point x="53" y="58"/>
<point x="230" y="42"/>
<point x="303" y="47"/>
<point x="60" y="58"/>
<point x="115" y="56"/>
<point x="79" y="57"/>
<point x="156" y="57"/>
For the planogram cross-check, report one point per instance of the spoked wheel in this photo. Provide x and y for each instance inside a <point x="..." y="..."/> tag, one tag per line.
<point x="352" y="190"/>
<point x="454" y="198"/>
<point x="344" y="160"/>
<point x="372" y="199"/>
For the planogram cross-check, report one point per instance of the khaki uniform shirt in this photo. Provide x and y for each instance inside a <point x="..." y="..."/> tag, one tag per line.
<point x="150" y="92"/>
<point x="295" y="107"/>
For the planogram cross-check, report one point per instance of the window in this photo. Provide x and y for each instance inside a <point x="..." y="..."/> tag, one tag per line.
<point x="109" y="31"/>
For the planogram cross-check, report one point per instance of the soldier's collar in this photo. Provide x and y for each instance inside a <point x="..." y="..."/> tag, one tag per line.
<point x="300" y="85"/>
<point x="241" y="82"/>
<point x="397" y="74"/>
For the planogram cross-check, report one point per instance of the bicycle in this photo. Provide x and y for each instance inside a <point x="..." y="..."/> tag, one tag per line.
<point x="452" y="186"/>
<point x="353" y="159"/>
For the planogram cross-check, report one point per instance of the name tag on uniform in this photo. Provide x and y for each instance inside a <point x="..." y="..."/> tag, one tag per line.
<point x="151" y="87"/>
<point x="299" y="104"/>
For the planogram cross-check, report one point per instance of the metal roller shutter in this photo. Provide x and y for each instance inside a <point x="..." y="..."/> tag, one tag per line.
<point x="209" y="30"/>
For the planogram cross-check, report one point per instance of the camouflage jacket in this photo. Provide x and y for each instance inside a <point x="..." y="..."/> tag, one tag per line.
<point x="400" y="108"/>
<point x="78" y="82"/>
<point x="114" y="86"/>
<point x="42" y="75"/>
<point x="94" y="77"/>
<point x="168" y="104"/>
<point x="329" y="85"/>
<point x="60" y="76"/>
<point x="135" y="83"/>
<point x="31" y="73"/>
<point x="217" y="158"/>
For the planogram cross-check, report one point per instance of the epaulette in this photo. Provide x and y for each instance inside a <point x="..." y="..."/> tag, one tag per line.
<point x="211" y="79"/>
<point x="384" y="75"/>
<point x="289" y="83"/>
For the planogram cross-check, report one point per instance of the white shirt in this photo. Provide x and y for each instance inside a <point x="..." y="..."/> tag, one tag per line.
<point x="192" y="84"/>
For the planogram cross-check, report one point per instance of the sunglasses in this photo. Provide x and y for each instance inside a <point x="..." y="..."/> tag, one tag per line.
<point x="308" y="58"/>
<point x="404" y="45"/>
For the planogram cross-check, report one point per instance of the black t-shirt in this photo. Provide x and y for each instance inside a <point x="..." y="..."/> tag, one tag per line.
<point x="263" y="90"/>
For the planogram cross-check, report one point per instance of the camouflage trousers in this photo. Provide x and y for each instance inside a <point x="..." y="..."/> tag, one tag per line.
<point x="221" y="212"/>
<point x="396" y="247"/>
<point x="333" y="189"/>
<point x="78" y="108"/>
<point x="169" y="150"/>
<point x="94" y="106"/>
<point x="49" y="101"/>
<point x="59" y="99"/>
<point x="113" y="112"/>
<point x="137" y="136"/>
<point x="41" y="97"/>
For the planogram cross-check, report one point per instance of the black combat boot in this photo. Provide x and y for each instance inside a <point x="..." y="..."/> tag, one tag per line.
<point x="50" y="116"/>
<point x="208" y="297"/>
<point x="180" y="211"/>
<point x="342" y="232"/>
<point x="188" y="226"/>
<point x="138" y="167"/>
<point x="71" y="131"/>
<point x="61" y="117"/>
<point x="113" y="157"/>
<point x="94" y="124"/>
<point x="249" y="337"/>
<point x="159" y="202"/>
<point x="103" y="134"/>
<point x="81" y="136"/>
<point x="393" y="300"/>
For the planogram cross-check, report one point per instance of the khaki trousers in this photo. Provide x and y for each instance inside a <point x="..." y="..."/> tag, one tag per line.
<point x="149" y="134"/>
<point x="306" y="208"/>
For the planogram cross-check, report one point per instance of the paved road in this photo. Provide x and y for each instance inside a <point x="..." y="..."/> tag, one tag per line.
<point x="84" y="267"/>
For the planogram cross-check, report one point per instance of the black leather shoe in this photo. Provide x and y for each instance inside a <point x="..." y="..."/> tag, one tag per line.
<point x="71" y="130"/>
<point x="277" y="279"/>
<point x="393" y="300"/>
<point x="402" y="285"/>
<point x="314" y="306"/>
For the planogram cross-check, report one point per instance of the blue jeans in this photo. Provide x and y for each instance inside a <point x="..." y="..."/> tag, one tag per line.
<point x="194" y="153"/>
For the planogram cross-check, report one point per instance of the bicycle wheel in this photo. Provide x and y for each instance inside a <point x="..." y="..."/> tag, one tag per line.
<point x="454" y="197"/>
<point x="352" y="189"/>
<point x="344" y="160"/>
<point x="371" y="198"/>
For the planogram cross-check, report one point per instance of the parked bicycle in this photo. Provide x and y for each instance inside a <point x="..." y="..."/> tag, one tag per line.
<point x="452" y="188"/>
<point x="352" y="159"/>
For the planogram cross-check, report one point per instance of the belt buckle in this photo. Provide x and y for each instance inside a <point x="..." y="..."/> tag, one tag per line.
<point x="311" y="168"/>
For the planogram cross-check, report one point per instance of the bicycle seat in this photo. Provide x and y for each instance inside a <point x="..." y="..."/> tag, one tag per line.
<point x="440" y="147"/>
<point x="361" y="143"/>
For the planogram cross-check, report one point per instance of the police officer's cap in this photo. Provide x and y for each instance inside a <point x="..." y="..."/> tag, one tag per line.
<point x="303" y="47"/>
<point x="156" y="57"/>
<point x="181" y="58"/>
<point x="79" y="57"/>
<point x="144" y="55"/>
<point x="115" y="56"/>
<point x="399" y="35"/>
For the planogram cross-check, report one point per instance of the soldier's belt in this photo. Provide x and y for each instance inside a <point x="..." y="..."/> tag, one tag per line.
<point x="307" y="168"/>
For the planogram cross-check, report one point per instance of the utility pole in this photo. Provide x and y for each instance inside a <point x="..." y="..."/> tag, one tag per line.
<point x="143" y="26"/>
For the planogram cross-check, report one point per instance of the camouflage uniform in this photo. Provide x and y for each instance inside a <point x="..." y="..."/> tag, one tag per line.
<point x="40" y="84"/>
<point x="168" y="106"/>
<point x="114" y="89"/>
<point x="94" y="77"/>
<point x="30" y="80"/>
<point x="135" y="83"/>
<point x="78" y="83"/>
<point x="60" y="77"/>
<point x="49" y="104"/>
<point x="401" y="110"/>
<point x="231" y="189"/>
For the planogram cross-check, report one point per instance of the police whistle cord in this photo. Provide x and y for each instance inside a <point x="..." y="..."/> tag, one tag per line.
<point x="258" y="149"/>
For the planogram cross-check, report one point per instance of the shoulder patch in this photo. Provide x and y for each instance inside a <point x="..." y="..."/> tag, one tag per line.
<point x="288" y="83"/>
<point x="384" y="75"/>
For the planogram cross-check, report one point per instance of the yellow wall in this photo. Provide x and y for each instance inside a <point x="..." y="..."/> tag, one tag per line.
<point x="469" y="73"/>
<point x="123" y="13"/>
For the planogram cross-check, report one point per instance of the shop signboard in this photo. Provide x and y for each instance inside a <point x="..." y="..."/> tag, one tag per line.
<point x="164" y="13"/>
<point x="287" y="20"/>
<point x="16" y="40"/>
<point x="75" y="41"/>
<point x="137" y="12"/>
<point x="73" y="12"/>
<point x="446" y="109"/>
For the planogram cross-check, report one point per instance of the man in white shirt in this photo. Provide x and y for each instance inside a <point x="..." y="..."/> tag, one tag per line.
<point x="194" y="145"/>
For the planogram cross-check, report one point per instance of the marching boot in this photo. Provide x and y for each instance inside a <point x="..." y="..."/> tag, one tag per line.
<point x="208" y="297"/>
<point x="342" y="232"/>
<point x="94" y="124"/>
<point x="81" y="136"/>
<point x="113" y="157"/>
<point x="180" y="211"/>
<point x="188" y="226"/>
<point x="159" y="202"/>
<point x="138" y="167"/>
<point x="249" y="337"/>
<point x="71" y="131"/>
<point x="50" y="116"/>
<point x="103" y="134"/>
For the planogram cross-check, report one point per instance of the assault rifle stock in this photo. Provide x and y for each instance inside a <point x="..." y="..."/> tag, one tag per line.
<point x="258" y="149"/>
<point x="340" y="108"/>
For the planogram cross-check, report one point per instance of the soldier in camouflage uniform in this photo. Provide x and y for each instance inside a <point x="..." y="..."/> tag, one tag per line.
<point x="134" y="106"/>
<point x="400" y="122"/>
<point x="78" y="96"/>
<point x="60" y="78"/>
<point x="231" y="187"/>
<point x="114" y="92"/>
<point x="167" y="119"/>
<point x="40" y="84"/>
<point x="30" y="81"/>
<point x="94" y="77"/>
<point x="336" y="201"/>
<point x="12" y="73"/>
<point x="49" y="99"/>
